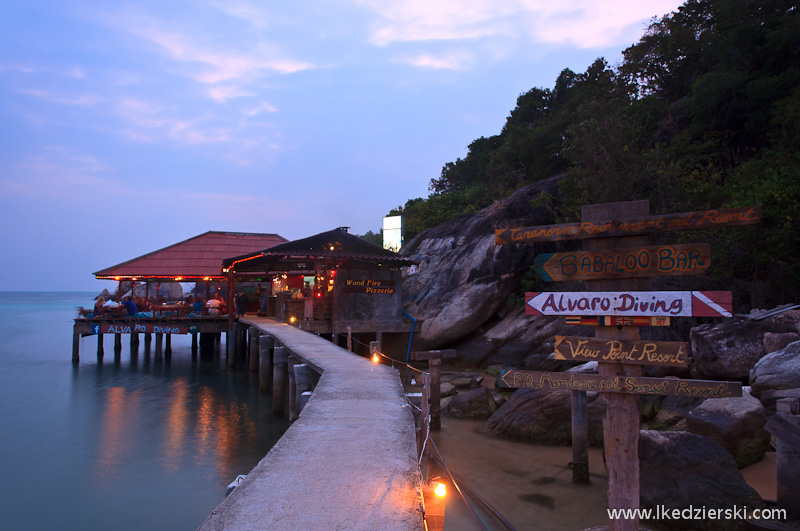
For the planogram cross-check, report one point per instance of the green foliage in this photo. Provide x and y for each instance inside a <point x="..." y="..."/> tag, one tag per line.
<point x="703" y="112"/>
<point x="373" y="237"/>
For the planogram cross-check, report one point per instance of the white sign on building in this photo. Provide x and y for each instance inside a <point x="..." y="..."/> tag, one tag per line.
<point x="393" y="233"/>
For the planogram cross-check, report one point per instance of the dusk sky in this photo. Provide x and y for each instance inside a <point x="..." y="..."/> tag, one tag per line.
<point x="129" y="126"/>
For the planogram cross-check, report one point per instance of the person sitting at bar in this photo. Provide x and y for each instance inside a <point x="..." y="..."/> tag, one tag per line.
<point x="130" y="306"/>
<point x="98" y="306"/>
<point x="214" y="305"/>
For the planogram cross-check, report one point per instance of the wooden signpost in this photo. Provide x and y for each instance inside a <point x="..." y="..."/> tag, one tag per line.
<point x="629" y="226"/>
<point x="645" y="262"/>
<point x="616" y="264"/>
<point x="664" y="353"/>
<point x="631" y="303"/>
<point x="637" y="385"/>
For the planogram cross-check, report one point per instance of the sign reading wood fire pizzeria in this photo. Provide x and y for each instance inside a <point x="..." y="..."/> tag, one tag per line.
<point x="643" y="262"/>
<point x="705" y="219"/>
<point x="636" y="385"/>
<point x="632" y="303"/>
<point x="664" y="353"/>
<point x="372" y="287"/>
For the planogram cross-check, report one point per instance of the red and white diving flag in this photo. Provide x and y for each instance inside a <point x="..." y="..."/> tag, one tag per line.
<point x="631" y="303"/>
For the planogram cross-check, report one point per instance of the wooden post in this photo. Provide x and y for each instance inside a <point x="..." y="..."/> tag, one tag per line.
<point x="425" y="420"/>
<point x="159" y="345"/>
<point x="621" y="423"/>
<point x="303" y="381"/>
<point x="230" y="346"/>
<point x="168" y="345"/>
<point x="100" y="347"/>
<point x="350" y="339"/>
<point x="434" y="358"/>
<point x="265" y="346"/>
<point x="280" y="361"/>
<point x="785" y="425"/>
<point x="580" y="438"/>
<point x="76" y="347"/>
<point x="134" y="339"/>
<point x="194" y="345"/>
<point x="253" y="351"/>
<point x="148" y="339"/>
<point x="117" y="342"/>
<point x="293" y="413"/>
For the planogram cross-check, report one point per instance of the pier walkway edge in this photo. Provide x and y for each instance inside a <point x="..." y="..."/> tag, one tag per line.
<point x="348" y="461"/>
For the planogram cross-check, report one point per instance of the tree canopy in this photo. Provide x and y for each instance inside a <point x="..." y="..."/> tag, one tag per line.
<point x="703" y="112"/>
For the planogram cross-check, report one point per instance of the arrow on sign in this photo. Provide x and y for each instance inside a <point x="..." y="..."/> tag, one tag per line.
<point x="641" y="262"/>
<point x="631" y="303"/>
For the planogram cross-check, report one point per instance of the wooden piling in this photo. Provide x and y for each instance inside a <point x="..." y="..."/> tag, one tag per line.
<point x="785" y="425"/>
<point x="117" y="342"/>
<point x="265" y="346"/>
<point x="100" y="346"/>
<point x="279" y="377"/>
<point x="434" y="358"/>
<point x="76" y="347"/>
<point x="168" y="345"/>
<point x="159" y="346"/>
<point x="135" y="339"/>
<point x="194" y="346"/>
<point x="580" y="438"/>
<point x="148" y="339"/>
<point x="293" y="412"/>
<point x="253" y="350"/>
<point x="304" y="377"/>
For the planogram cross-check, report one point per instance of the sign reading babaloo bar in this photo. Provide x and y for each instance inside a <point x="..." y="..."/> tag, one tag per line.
<point x="664" y="353"/>
<point x="631" y="303"/>
<point x="704" y="219"/>
<point x="636" y="385"/>
<point x="642" y="262"/>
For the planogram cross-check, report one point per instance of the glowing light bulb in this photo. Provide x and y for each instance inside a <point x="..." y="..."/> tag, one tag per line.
<point x="440" y="490"/>
<point x="375" y="358"/>
<point x="292" y="319"/>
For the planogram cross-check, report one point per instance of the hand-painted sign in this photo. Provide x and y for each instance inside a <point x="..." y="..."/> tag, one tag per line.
<point x="636" y="385"/>
<point x="664" y="353"/>
<point x="139" y="328"/>
<point x="616" y="320"/>
<point x="385" y="287"/>
<point x="643" y="262"/>
<point x="705" y="219"/>
<point x="631" y="303"/>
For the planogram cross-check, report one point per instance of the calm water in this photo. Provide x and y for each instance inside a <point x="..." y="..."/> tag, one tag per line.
<point x="130" y="444"/>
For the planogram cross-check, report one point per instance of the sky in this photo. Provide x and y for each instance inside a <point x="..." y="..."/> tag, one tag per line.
<point x="126" y="127"/>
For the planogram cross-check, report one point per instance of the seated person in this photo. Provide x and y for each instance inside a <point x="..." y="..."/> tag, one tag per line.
<point x="98" y="306"/>
<point x="198" y="305"/>
<point x="130" y="306"/>
<point x="214" y="305"/>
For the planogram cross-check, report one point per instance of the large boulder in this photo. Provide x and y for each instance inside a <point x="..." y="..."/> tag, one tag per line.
<point x="545" y="416"/>
<point x="777" y="375"/>
<point x="728" y="350"/>
<point x="680" y="470"/>
<point x="476" y="404"/>
<point x="464" y="277"/>
<point x="737" y="423"/>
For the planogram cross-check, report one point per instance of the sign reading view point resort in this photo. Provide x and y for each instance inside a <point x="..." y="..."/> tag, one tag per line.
<point x="631" y="303"/>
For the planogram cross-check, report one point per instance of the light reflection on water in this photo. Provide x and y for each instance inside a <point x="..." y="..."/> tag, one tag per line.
<point x="127" y="443"/>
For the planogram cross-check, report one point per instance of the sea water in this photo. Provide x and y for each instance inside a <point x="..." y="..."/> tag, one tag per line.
<point x="126" y="443"/>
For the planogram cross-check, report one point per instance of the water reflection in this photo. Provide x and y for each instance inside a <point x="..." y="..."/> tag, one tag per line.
<point x="116" y="433"/>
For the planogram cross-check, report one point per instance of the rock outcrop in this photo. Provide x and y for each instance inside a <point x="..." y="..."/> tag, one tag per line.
<point x="679" y="470"/>
<point x="737" y="423"/>
<point x="464" y="277"/>
<point x="728" y="350"/>
<point x="777" y="375"/>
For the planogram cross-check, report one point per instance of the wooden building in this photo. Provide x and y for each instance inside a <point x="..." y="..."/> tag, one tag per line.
<point x="198" y="259"/>
<point x="330" y="283"/>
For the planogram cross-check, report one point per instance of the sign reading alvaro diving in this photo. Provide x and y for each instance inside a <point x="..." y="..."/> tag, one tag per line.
<point x="139" y="328"/>
<point x="631" y="303"/>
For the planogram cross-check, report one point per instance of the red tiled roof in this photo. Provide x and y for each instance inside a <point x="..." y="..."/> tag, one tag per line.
<point x="200" y="256"/>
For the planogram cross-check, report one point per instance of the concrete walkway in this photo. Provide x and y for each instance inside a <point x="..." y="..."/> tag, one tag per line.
<point x="348" y="462"/>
